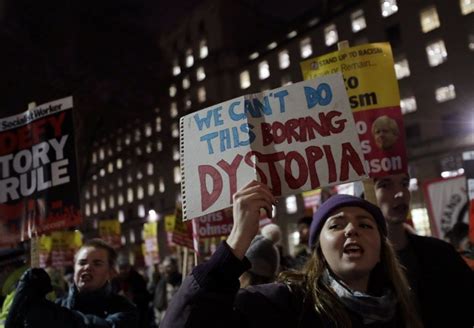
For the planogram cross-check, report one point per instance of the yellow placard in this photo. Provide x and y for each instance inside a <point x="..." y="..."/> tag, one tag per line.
<point x="170" y="222"/>
<point x="150" y="230"/>
<point x="368" y="72"/>
<point x="109" y="228"/>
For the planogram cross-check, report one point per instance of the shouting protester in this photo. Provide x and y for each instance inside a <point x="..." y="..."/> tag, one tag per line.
<point x="89" y="303"/>
<point x="351" y="280"/>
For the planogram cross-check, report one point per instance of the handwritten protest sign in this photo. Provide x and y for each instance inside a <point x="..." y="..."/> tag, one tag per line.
<point x="372" y="88"/>
<point x="294" y="138"/>
<point x="38" y="181"/>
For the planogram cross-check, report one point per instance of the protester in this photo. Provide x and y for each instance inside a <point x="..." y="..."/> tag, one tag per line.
<point x="264" y="260"/>
<point x="352" y="279"/>
<point x="89" y="303"/>
<point x="133" y="286"/>
<point x="440" y="279"/>
<point x="458" y="236"/>
<point x="303" y="251"/>
<point x="167" y="286"/>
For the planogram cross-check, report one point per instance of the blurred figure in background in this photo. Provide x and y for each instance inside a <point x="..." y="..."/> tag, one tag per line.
<point x="440" y="280"/>
<point x="168" y="283"/>
<point x="458" y="236"/>
<point x="133" y="286"/>
<point x="264" y="260"/>
<point x="302" y="249"/>
<point x="273" y="232"/>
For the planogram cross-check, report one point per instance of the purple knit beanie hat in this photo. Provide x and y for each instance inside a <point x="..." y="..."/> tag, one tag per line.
<point x="338" y="201"/>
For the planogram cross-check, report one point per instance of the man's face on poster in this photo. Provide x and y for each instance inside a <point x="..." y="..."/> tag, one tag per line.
<point x="385" y="132"/>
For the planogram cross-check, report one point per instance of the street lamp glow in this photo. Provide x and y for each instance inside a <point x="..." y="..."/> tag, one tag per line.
<point x="152" y="216"/>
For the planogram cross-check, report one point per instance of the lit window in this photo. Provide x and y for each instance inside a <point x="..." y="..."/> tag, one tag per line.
<point x="358" y="21"/>
<point x="330" y="35"/>
<point x="161" y="185"/>
<point x="263" y="70"/>
<point x="471" y="42"/>
<point x="467" y="6"/>
<point x="110" y="167"/>
<point x="148" y="130"/>
<point x="121" y="218"/>
<point x="95" y="208"/>
<point x="159" y="145"/>
<point x="149" y="169"/>
<point x="200" y="74"/>
<point x="101" y="153"/>
<point x="132" y="237"/>
<point x="203" y="50"/>
<point x="254" y="55"/>
<point x="88" y="209"/>
<point x="87" y="194"/>
<point x="421" y="221"/>
<point x="402" y="69"/>
<point x="244" y="80"/>
<point x="94" y="190"/>
<point x="120" y="199"/>
<point x="173" y="109"/>
<point x="173" y="90"/>
<point x="292" y="34"/>
<point x="189" y="58"/>
<point x="408" y="105"/>
<point x="119" y="163"/>
<point x="138" y="135"/>
<point x="175" y="153"/>
<point x="128" y="139"/>
<point x="388" y="7"/>
<point x="139" y="175"/>
<point x="138" y="151"/>
<point x="201" y="93"/>
<point x="140" y="192"/>
<point x="313" y="22"/>
<point x="176" y="68"/>
<point x="291" y="205"/>
<point x="306" y="48"/>
<point x="141" y="211"/>
<point x="103" y="205"/>
<point x="94" y="157"/>
<point x="148" y="148"/>
<point x="436" y="53"/>
<point x="110" y="151"/>
<point x="283" y="59"/>
<point x="177" y="174"/>
<point x="94" y="177"/>
<point x="129" y="195"/>
<point x="158" y="122"/>
<point x="151" y="189"/>
<point x="445" y="93"/>
<point x="186" y="83"/>
<point x="429" y="19"/>
<point x="111" y="201"/>
<point x="129" y="178"/>
<point x="174" y="130"/>
<point x="187" y="102"/>
<point x="286" y="80"/>
<point x="119" y="182"/>
<point x="272" y="45"/>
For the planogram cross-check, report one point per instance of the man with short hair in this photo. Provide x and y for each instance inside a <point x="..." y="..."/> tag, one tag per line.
<point x="89" y="303"/>
<point x="442" y="283"/>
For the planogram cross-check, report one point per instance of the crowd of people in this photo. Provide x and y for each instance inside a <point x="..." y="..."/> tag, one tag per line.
<point x="357" y="265"/>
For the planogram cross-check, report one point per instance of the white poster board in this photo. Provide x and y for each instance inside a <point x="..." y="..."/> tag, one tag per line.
<point x="294" y="138"/>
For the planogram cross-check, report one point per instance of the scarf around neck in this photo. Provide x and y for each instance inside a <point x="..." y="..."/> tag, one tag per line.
<point x="371" y="308"/>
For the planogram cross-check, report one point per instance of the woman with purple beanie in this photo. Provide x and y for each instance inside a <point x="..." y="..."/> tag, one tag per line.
<point x="352" y="278"/>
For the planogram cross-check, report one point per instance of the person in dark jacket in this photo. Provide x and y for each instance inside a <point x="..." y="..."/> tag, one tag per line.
<point x="89" y="303"/>
<point x="441" y="281"/>
<point x="351" y="280"/>
<point x="166" y="287"/>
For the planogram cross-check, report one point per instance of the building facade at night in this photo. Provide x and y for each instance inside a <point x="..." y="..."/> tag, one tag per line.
<point x="223" y="50"/>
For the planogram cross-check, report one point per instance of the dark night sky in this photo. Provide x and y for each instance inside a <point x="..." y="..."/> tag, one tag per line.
<point x="105" y="53"/>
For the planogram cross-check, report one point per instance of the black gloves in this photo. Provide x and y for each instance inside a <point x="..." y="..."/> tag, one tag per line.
<point x="33" y="286"/>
